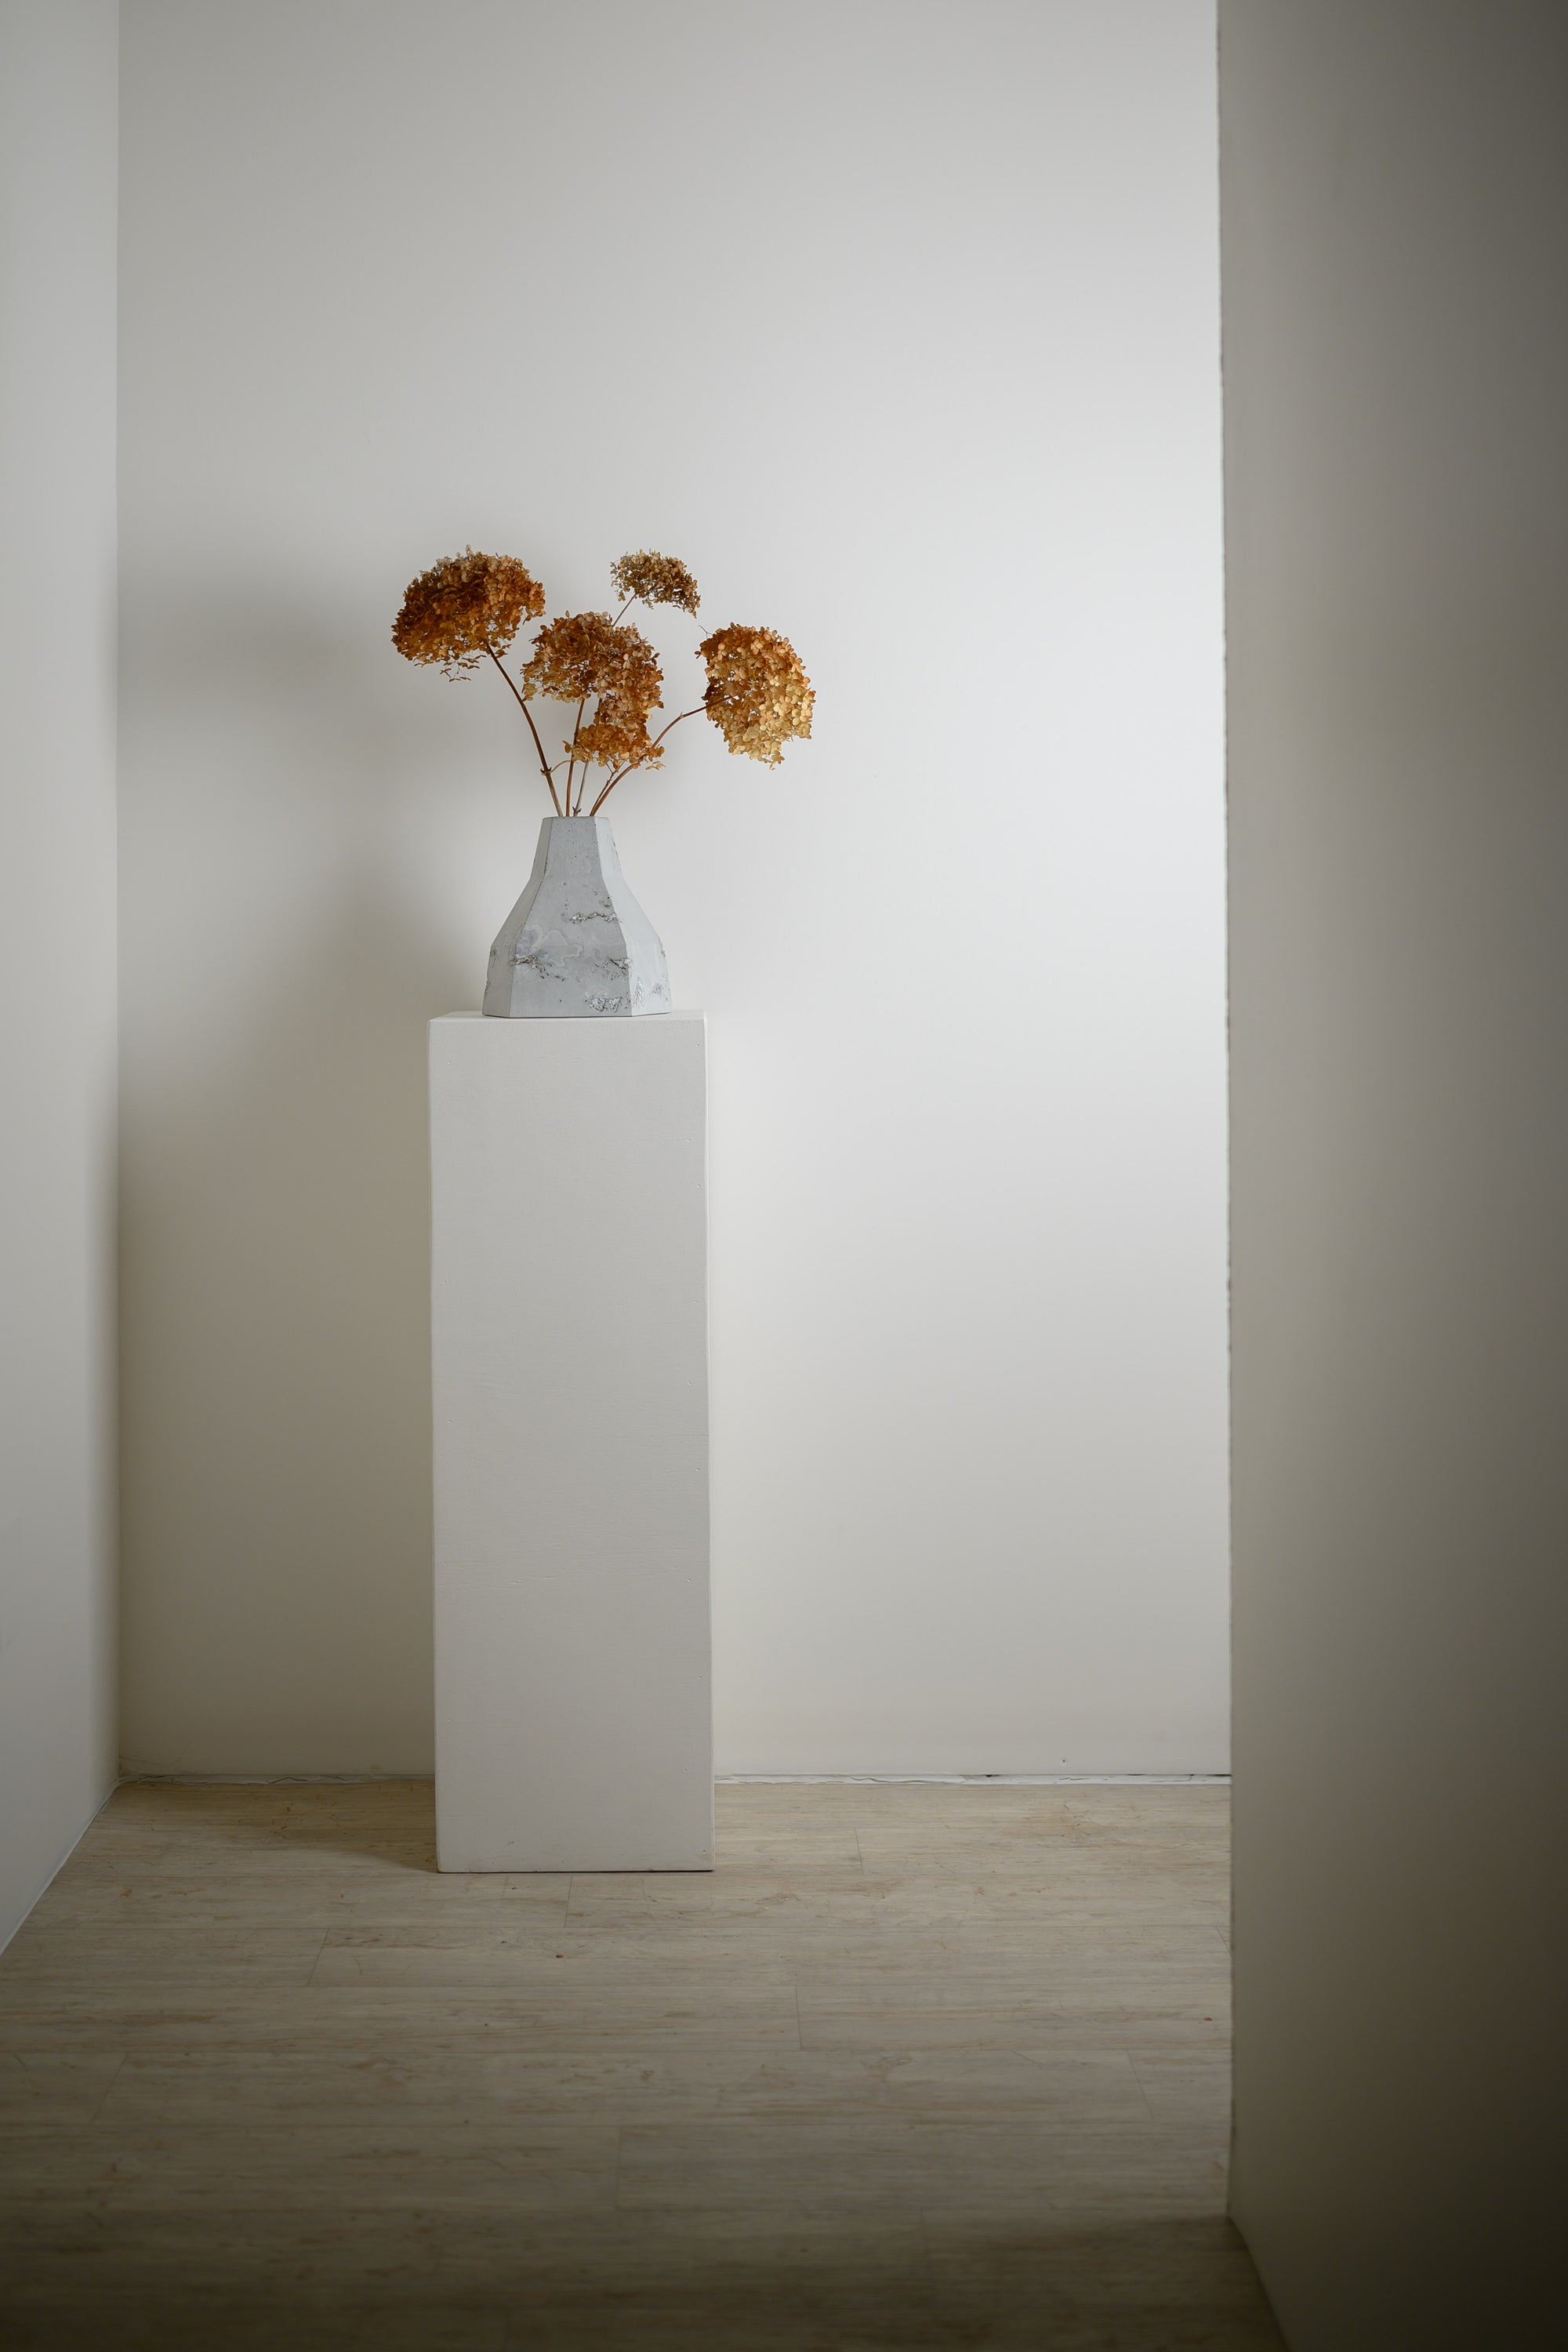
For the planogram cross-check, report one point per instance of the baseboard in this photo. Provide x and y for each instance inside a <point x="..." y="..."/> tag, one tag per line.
<point x="731" y="1780"/>
<point x="725" y="1779"/>
<point x="131" y="1776"/>
<point x="976" y="1779"/>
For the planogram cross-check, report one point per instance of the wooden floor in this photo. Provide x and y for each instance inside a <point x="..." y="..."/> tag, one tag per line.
<point x="935" y="2066"/>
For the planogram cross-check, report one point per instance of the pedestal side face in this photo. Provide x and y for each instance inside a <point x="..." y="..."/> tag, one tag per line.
<point x="573" y="1712"/>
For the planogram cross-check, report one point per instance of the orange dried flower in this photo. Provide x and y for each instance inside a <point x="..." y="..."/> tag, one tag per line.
<point x="758" y="692"/>
<point x="470" y="608"/>
<point x="584" y="656"/>
<point x="654" y="580"/>
<point x="465" y="607"/>
<point x="617" y="737"/>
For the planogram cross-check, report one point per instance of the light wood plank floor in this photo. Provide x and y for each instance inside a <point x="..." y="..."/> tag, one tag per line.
<point x="914" y="2067"/>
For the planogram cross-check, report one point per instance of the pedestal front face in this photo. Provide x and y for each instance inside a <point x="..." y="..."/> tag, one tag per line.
<point x="569" y="1329"/>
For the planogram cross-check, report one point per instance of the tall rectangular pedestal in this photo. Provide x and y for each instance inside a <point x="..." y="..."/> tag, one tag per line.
<point x="569" y="1327"/>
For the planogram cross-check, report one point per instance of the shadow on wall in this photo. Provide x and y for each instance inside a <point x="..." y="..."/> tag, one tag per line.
<point x="274" y="1245"/>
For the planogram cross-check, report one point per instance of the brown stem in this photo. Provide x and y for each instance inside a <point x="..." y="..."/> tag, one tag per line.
<point x="572" y="762"/>
<point x="695" y="713"/>
<point x="522" y="705"/>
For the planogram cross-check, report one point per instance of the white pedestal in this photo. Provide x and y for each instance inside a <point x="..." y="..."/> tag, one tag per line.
<point x="574" y="1710"/>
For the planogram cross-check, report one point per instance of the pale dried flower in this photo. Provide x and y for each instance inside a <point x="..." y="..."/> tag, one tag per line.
<point x="654" y="580"/>
<point x="584" y="656"/>
<point x="465" y="607"/>
<point x="758" y="692"/>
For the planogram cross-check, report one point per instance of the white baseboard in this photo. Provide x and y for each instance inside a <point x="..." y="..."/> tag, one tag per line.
<point x="975" y="1780"/>
<point x="131" y="1777"/>
<point x="735" y="1780"/>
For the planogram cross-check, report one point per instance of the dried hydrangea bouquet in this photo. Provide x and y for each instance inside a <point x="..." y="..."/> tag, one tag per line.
<point x="577" y="942"/>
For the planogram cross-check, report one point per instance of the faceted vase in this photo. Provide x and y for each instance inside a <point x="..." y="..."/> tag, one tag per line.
<point x="577" y="944"/>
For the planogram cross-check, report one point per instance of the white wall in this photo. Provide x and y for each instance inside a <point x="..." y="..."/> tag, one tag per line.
<point x="57" y="141"/>
<point x="898" y="321"/>
<point x="1395" y="186"/>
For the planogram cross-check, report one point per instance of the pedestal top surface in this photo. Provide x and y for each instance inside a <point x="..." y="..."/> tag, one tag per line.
<point x="585" y="1021"/>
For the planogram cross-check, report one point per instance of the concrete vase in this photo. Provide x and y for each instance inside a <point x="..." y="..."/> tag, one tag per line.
<point x="576" y="945"/>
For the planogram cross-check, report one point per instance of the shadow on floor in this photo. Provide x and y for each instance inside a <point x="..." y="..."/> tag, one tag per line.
<point x="389" y="1822"/>
<point x="482" y="2285"/>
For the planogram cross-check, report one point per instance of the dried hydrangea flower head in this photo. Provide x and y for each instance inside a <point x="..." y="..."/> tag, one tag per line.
<point x="654" y="580"/>
<point x="758" y="692"/>
<point x="587" y="655"/>
<point x="470" y="607"/>
<point x="465" y="607"/>
<point x="615" y="736"/>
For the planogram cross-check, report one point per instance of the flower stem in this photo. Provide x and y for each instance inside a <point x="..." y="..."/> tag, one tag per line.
<point x="577" y="723"/>
<point x="548" y="779"/>
<point x="695" y="713"/>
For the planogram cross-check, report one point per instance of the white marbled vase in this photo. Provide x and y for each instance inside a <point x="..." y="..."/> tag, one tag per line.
<point x="577" y="944"/>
